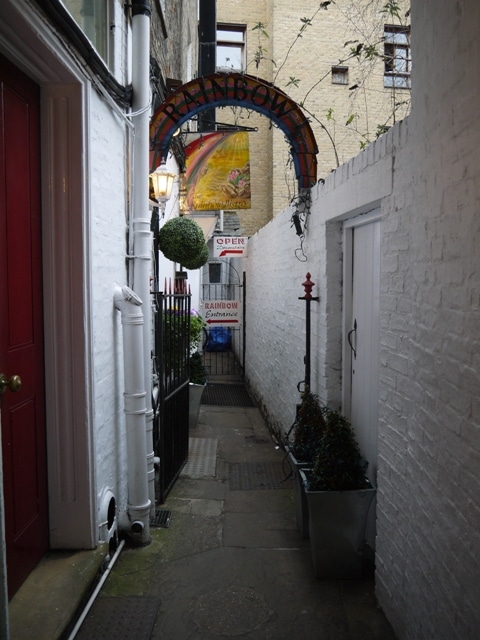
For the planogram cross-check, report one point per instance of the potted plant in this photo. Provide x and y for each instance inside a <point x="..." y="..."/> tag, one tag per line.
<point x="198" y="376"/>
<point x="339" y="497"/>
<point x="301" y="445"/>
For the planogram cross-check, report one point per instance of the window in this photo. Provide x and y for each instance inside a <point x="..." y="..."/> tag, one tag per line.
<point x="397" y="57"/>
<point x="214" y="272"/>
<point x="339" y="75"/>
<point x="230" y="48"/>
<point x="93" y="17"/>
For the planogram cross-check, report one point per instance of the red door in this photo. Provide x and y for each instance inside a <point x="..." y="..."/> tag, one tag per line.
<point x="21" y="326"/>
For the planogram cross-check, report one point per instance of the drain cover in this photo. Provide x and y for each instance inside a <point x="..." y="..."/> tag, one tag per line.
<point x="162" y="518"/>
<point x="226" y="395"/>
<point x="234" y="611"/>
<point x="258" y="475"/>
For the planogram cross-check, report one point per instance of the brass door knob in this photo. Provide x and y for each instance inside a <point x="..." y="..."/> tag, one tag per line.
<point x="13" y="384"/>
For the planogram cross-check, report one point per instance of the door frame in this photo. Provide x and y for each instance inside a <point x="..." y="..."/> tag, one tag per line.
<point x="65" y="93"/>
<point x="348" y="227"/>
<point x="348" y="254"/>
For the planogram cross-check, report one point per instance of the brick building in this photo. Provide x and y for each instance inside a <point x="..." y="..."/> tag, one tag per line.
<point x="301" y="49"/>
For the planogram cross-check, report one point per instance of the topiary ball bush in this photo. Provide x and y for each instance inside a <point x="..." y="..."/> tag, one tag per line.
<point x="181" y="240"/>
<point x="199" y="260"/>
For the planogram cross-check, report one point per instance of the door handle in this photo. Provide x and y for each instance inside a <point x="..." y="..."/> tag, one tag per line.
<point x="349" y="338"/>
<point x="13" y="384"/>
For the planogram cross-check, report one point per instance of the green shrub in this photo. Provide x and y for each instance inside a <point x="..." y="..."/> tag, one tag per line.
<point x="339" y="465"/>
<point x="198" y="373"/>
<point x="199" y="260"/>
<point x="197" y="323"/>
<point x="308" y="428"/>
<point x="181" y="240"/>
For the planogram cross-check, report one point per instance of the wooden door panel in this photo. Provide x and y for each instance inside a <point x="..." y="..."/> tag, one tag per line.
<point x="366" y="318"/>
<point x="21" y="325"/>
<point x="363" y="265"/>
<point x="23" y="457"/>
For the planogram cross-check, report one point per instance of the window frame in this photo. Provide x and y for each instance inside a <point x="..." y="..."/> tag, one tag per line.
<point x="214" y="272"/>
<point x="97" y="27"/>
<point x="237" y="44"/>
<point x="339" y="75"/>
<point x="397" y="39"/>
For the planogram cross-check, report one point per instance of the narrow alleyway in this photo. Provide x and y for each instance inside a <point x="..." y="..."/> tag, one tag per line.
<point x="230" y="561"/>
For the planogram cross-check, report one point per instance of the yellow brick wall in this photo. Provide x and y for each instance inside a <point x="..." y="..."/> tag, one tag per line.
<point x="250" y="13"/>
<point x="309" y="61"/>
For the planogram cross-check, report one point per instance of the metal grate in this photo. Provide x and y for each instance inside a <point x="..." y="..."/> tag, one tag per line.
<point x="162" y="518"/>
<point x="246" y="476"/>
<point x="202" y="458"/>
<point x="226" y="395"/>
<point x="120" y="618"/>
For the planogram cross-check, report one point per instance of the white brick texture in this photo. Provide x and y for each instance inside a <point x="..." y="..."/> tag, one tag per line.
<point x="425" y="175"/>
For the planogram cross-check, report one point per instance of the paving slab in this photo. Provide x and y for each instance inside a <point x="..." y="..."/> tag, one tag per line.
<point x="232" y="562"/>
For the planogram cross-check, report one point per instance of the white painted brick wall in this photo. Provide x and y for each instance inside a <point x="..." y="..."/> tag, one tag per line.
<point x="432" y="466"/>
<point x="426" y="175"/>
<point x="108" y="210"/>
<point x="107" y="150"/>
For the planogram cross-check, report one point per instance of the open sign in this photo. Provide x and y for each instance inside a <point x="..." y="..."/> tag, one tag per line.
<point x="229" y="246"/>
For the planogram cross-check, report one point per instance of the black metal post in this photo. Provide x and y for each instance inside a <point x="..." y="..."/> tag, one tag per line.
<point x="207" y="35"/>
<point x="244" y="328"/>
<point x="308" y="286"/>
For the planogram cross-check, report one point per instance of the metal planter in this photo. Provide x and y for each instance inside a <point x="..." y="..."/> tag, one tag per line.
<point x="195" y="400"/>
<point x="337" y="521"/>
<point x="300" y="499"/>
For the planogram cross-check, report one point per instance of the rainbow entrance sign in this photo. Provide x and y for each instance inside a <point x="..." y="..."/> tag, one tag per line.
<point x="229" y="247"/>
<point x="226" y="313"/>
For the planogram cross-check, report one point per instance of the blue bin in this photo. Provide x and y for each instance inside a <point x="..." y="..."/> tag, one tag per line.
<point x="219" y="339"/>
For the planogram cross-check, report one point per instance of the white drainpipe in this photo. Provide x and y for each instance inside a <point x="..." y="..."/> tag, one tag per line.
<point x="137" y="525"/>
<point x="142" y="236"/>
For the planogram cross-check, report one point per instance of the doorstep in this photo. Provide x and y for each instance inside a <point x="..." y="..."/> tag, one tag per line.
<point x="54" y="593"/>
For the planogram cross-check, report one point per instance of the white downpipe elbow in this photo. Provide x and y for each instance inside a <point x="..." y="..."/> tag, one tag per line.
<point x="138" y="510"/>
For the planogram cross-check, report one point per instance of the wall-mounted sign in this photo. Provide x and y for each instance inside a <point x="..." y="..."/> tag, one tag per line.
<point x="218" y="171"/>
<point x="222" y="312"/>
<point x="229" y="246"/>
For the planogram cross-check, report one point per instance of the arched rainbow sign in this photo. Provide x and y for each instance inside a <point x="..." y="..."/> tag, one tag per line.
<point x="222" y="89"/>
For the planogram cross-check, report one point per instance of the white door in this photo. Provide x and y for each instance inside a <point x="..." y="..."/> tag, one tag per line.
<point x="362" y="338"/>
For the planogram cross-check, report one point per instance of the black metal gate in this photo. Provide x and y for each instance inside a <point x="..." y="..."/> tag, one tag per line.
<point x="171" y="371"/>
<point x="224" y="346"/>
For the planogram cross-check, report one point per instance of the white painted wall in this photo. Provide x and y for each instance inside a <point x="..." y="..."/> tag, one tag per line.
<point x="276" y="267"/>
<point x="425" y="174"/>
<point x="429" y="540"/>
<point x="108" y="206"/>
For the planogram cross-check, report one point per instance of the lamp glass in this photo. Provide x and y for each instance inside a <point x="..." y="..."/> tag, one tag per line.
<point x="162" y="181"/>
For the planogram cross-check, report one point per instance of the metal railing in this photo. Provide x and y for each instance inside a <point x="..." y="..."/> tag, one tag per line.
<point x="171" y="372"/>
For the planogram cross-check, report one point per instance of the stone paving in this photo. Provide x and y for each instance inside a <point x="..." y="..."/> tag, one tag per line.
<point x="232" y="562"/>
